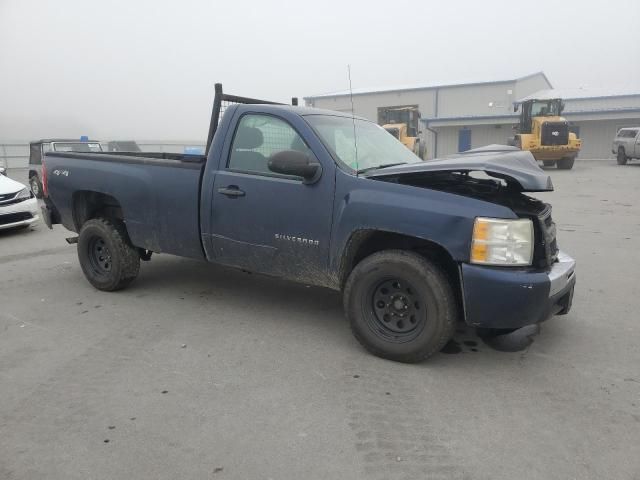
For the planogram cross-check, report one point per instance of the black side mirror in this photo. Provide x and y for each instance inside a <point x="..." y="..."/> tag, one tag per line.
<point x="298" y="164"/>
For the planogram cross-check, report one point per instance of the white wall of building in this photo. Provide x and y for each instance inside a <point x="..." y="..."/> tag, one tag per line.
<point x="597" y="136"/>
<point x="477" y="100"/>
<point x="481" y="135"/>
<point x="366" y="105"/>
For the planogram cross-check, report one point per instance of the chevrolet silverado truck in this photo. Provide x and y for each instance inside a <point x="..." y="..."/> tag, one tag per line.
<point x="333" y="200"/>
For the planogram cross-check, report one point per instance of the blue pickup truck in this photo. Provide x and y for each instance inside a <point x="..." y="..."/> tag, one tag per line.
<point x="329" y="199"/>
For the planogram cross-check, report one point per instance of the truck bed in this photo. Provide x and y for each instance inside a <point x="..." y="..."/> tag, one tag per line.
<point x="159" y="194"/>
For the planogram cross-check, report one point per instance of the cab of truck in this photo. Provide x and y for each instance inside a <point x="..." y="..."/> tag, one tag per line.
<point x="545" y="133"/>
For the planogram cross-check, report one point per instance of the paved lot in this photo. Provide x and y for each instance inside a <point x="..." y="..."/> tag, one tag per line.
<point x="271" y="384"/>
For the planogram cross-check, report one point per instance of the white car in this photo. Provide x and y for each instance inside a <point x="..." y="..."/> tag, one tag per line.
<point x="18" y="205"/>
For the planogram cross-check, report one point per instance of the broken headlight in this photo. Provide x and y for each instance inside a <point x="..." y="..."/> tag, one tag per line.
<point x="502" y="242"/>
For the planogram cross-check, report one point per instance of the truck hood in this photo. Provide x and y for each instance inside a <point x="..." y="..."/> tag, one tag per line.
<point x="516" y="167"/>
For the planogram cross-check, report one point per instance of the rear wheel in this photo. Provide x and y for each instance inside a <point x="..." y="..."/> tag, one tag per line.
<point x="566" y="163"/>
<point x="400" y="306"/>
<point x="621" y="158"/>
<point x="549" y="163"/>
<point x="36" y="186"/>
<point x="107" y="258"/>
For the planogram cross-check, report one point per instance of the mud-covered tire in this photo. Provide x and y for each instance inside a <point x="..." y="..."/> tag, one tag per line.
<point x="36" y="186"/>
<point x="621" y="158"/>
<point x="421" y="291"/>
<point x="566" y="163"/>
<point x="107" y="258"/>
<point x="549" y="163"/>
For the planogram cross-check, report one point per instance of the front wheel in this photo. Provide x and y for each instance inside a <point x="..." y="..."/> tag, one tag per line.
<point x="549" y="163"/>
<point x="622" y="156"/>
<point x="566" y="163"/>
<point x="107" y="258"/>
<point x="400" y="306"/>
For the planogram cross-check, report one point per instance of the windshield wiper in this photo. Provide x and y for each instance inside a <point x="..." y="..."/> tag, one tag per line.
<point x="384" y="165"/>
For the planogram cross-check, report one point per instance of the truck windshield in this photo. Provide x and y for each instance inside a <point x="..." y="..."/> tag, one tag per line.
<point x="375" y="147"/>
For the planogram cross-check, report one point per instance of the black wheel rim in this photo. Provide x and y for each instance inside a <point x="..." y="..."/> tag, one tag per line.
<point x="397" y="311"/>
<point x="99" y="256"/>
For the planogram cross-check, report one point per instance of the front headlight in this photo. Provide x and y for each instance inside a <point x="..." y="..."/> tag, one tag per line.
<point x="23" y="194"/>
<point x="502" y="242"/>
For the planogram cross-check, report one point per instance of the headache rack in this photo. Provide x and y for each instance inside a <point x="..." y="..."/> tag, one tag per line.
<point x="220" y="103"/>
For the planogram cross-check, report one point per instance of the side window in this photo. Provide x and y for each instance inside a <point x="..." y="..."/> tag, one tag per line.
<point x="257" y="138"/>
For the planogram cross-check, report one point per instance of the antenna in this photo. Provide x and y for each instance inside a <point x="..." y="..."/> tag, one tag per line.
<point x="353" y="117"/>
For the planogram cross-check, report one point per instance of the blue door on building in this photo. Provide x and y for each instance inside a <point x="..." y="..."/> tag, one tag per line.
<point x="464" y="139"/>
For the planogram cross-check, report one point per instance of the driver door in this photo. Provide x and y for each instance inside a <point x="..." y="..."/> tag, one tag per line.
<point x="266" y="222"/>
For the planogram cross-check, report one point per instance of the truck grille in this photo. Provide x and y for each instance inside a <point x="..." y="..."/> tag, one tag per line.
<point x="555" y="133"/>
<point x="546" y="249"/>
<point x="14" y="217"/>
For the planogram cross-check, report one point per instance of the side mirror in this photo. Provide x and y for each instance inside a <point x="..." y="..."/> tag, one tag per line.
<point x="298" y="164"/>
<point x="3" y="171"/>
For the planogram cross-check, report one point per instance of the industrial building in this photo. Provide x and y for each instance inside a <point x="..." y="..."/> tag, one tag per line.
<point x="459" y="116"/>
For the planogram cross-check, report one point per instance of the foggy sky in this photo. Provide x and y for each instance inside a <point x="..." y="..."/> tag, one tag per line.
<point x="145" y="69"/>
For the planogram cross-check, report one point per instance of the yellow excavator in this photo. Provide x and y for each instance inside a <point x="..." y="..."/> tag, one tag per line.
<point x="402" y="123"/>
<point x="545" y="133"/>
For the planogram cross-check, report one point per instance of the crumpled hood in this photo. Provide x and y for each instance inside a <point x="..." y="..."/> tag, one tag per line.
<point x="518" y="168"/>
<point x="8" y="185"/>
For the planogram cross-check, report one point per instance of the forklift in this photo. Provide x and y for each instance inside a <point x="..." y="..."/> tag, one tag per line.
<point x="545" y="133"/>
<point x="402" y="123"/>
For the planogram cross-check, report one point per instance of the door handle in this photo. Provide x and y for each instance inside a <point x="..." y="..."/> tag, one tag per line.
<point x="231" y="191"/>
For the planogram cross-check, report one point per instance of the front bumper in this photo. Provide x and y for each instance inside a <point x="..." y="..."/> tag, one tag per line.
<point x="507" y="298"/>
<point x="19" y="214"/>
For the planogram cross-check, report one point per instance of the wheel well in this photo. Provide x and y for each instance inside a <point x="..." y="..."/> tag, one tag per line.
<point x="367" y="242"/>
<point x="33" y="173"/>
<point x="88" y="205"/>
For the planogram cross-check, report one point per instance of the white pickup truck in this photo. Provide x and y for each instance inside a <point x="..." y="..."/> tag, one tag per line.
<point x="626" y="145"/>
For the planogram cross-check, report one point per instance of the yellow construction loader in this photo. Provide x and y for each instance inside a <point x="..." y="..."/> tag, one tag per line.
<point x="545" y="133"/>
<point x="402" y="123"/>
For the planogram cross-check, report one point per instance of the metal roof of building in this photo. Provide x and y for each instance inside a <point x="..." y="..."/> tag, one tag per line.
<point x="426" y="86"/>
<point x="579" y="94"/>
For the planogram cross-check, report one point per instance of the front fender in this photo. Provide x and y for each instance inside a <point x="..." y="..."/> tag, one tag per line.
<point x="439" y="217"/>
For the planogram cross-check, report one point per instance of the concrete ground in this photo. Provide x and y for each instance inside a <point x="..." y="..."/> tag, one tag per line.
<point x="199" y="372"/>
